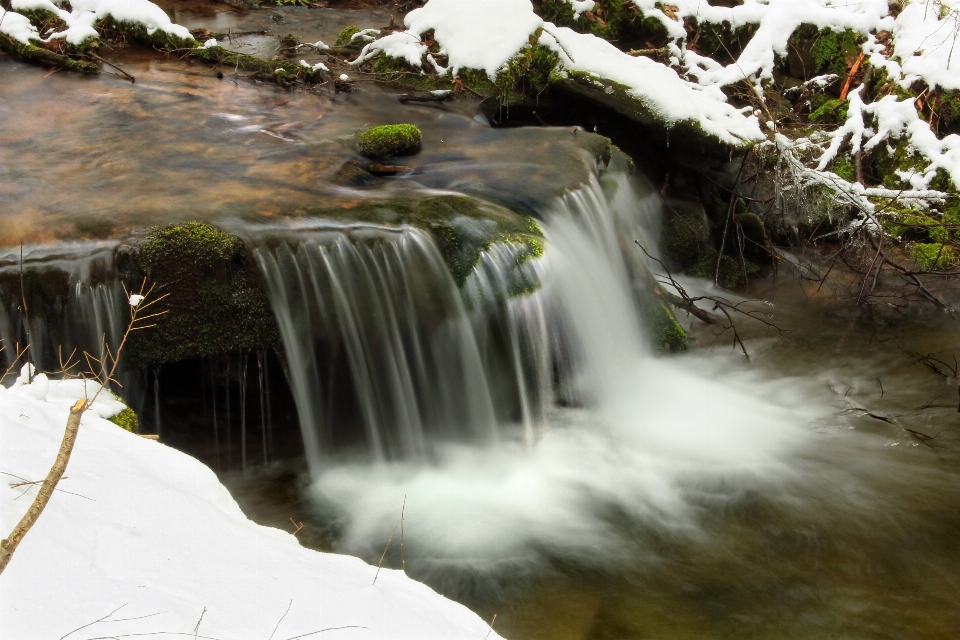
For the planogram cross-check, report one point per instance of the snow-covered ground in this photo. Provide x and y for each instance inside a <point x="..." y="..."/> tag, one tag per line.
<point x="148" y="534"/>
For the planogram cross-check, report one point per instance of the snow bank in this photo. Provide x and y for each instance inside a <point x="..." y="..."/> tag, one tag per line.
<point x="487" y="34"/>
<point x="141" y="527"/>
<point x="85" y="13"/>
<point x="655" y="85"/>
<point x="17" y="27"/>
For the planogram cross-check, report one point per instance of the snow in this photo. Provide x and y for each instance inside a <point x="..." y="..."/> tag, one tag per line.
<point x="17" y="27"/>
<point x="209" y="44"/>
<point x="476" y="34"/>
<point x="656" y="85"/>
<point x="85" y="13"/>
<point x="314" y="68"/>
<point x="486" y="34"/>
<point x="924" y="42"/>
<point x="145" y="529"/>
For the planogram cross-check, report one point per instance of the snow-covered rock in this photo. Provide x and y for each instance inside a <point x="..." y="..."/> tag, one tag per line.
<point x="149" y="533"/>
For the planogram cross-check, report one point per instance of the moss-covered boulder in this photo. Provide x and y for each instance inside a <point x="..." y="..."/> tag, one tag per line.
<point x="389" y="140"/>
<point x="215" y="301"/>
<point x="685" y="233"/>
<point x="345" y="39"/>
<point x="753" y="238"/>
<point x="729" y="276"/>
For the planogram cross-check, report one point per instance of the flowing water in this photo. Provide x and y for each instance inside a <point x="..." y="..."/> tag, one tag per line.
<point x="549" y="466"/>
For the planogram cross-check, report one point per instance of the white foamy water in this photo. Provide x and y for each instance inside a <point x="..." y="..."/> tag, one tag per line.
<point x="649" y="438"/>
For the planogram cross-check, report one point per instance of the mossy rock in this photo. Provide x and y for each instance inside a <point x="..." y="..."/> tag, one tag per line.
<point x="685" y="234"/>
<point x="345" y="39"/>
<point x="462" y="227"/>
<point x="830" y="112"/>
<point x="389" y="140"/>
<point x="730" y="271"/>
<point x="888" y="160"/>
<point x="755" y="246"/>
<point x="668" y="336"/>
<point x="216" y="303"/>
<point x="126" y="420"/>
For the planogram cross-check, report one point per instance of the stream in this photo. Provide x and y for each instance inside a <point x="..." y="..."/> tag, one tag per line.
<point x="549" y="466"/>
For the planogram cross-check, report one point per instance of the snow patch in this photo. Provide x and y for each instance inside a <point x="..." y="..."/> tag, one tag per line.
<point x="149" y="529"/>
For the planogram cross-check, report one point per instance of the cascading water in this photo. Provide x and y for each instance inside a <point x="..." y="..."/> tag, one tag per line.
<point x="608" y="427"/>
<point x="91" y="315"/>
<point x="383" y="302"/>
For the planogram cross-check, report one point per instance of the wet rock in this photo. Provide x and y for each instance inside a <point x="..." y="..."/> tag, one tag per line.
<point x="389" y="140"/>
<point x="685" y="234"/>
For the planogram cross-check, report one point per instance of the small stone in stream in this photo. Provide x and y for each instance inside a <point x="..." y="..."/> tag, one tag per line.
<point x="389" y="140"/>
<point x="219" y="75"/>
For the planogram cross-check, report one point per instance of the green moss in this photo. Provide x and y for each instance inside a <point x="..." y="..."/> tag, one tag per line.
<point x="403" y="73"/>
<point x="345" y="37"/>
<point x="389" y="140"/>
<point x="134" y="32"/>
<point x="127" y="420"/>
<point x="834" y="52"/>
<point x="934" y="255"/>
<point x="216" y="302"/>
<point x="618" y="21"/>
<point x="844" y="167"/>
<point x="280" y="71"/>
<point x="668" y="335"/>
<point x="684" y="235"/>
<point x="755" y="245"/>
<point x="903" y="158"/>
<point x="830" y="112"/>
<point x="35" y="54"/>
<point x="706" y="267"/>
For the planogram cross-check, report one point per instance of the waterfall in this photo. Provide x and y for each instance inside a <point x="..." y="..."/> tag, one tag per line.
<point x="378" y="307"/>
<point x="91" y="314"/>
<point x="385" y="353"/>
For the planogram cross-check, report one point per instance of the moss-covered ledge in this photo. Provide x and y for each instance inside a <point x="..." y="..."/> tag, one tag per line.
<point x="215" y="301"/>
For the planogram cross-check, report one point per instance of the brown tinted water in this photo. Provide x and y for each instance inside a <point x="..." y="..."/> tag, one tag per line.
<point x="95" y="156"/>
<point x="859" y="536"/>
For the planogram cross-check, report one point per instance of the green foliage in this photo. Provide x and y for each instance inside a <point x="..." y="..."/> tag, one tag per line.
<point x="344" y="39"/>
<point x="389" y="140"/>
<point x="216" y="302"/>
<point x="934" y="255"/>
<point x="833" y="52"/>
<point x="402" y="72"/>
<point x="127" y="420"/>
<point x="529" y="72"/>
